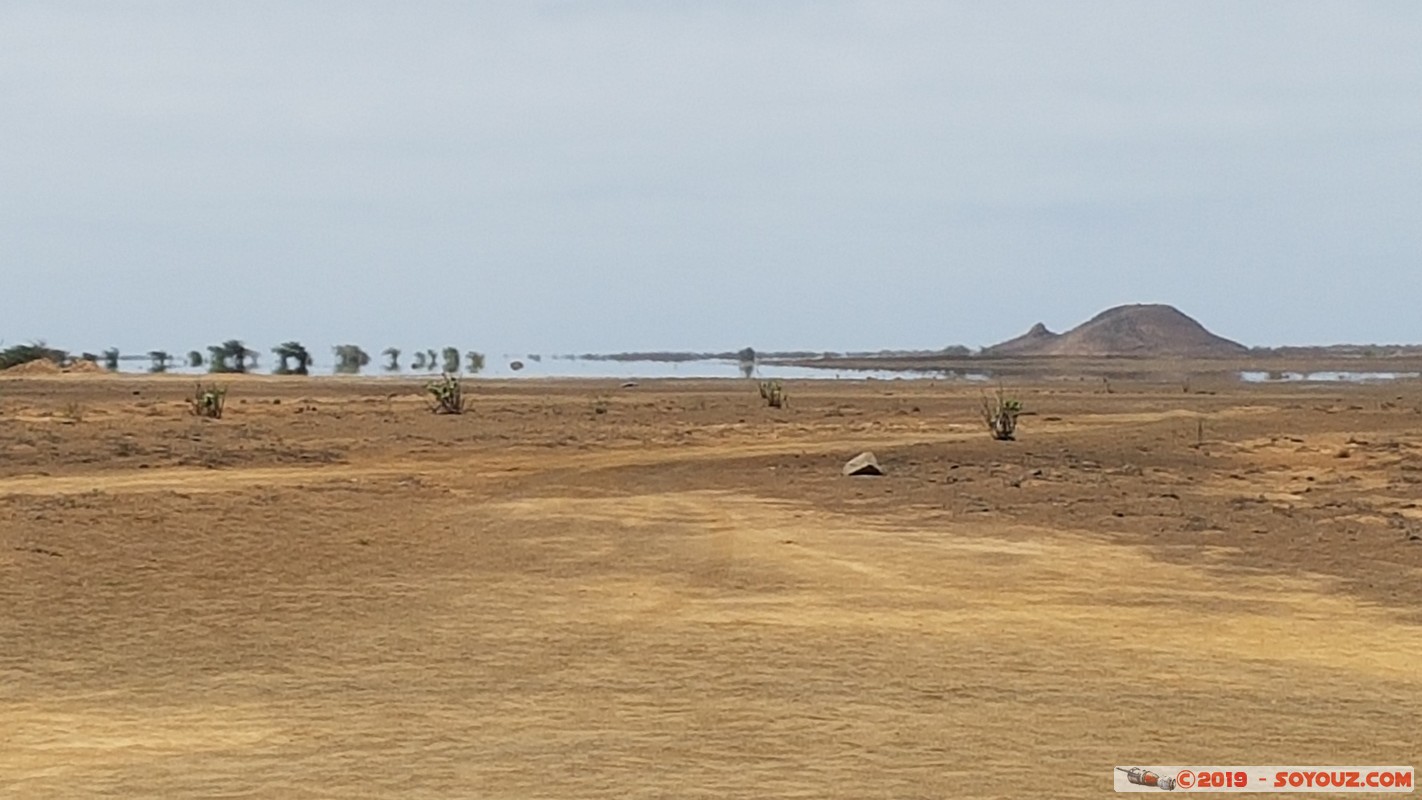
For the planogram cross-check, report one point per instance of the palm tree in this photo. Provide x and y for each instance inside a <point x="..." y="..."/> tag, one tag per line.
<point x="160" y="361"/>
<point x="419" y="361"/>
<point x="111" y="359"/>
<point x="194" y="359"/>
<point x="392" y="353"/>
<point x="289" y="351"/>
<point x="431" y="360"/>
<point x="476" y="362"/>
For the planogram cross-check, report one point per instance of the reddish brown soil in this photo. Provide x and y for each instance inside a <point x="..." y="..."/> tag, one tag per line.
<point x="580" y="590"/>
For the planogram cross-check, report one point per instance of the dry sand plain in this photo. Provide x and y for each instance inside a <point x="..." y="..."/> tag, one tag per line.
<point x="332" y="593"/>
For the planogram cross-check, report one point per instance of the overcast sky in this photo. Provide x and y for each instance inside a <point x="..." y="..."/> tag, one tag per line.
<point x="566" y="177"/>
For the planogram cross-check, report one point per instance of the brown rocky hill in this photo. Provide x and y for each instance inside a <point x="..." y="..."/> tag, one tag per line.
<point x="1031" y="343"/>
<point x="1135" y="330"/>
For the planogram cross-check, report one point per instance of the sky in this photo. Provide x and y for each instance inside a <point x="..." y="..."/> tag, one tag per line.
<point x="554" y="177"/>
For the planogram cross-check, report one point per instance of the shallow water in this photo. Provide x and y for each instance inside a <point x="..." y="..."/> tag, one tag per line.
<point x="1327" y="376"/>
<point x="501" y="367"/>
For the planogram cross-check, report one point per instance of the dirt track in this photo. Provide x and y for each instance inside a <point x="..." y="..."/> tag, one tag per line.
<point x="332" y="593"/>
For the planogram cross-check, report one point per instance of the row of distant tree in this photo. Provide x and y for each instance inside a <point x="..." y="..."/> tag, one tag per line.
<point x="234" y="356"/>
<point x="294" y="359"/>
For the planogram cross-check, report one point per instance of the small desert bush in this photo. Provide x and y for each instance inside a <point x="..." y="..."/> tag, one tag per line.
<point x="207" y="401"/>
<point x="446" y="397"/>
<point x="23" y="353"/>
<point x="773" y="393"/>
<point x="1000" y="412"/>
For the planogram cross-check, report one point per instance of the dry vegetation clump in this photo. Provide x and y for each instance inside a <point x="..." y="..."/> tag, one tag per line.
<point x="207" y="401"/>
<point x="773" y="393"/>
<point x="1000" y="412"/>
<point x="446" y="395"/>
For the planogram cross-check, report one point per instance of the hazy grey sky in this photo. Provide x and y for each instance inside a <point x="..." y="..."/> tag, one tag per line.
<point x="580" y="176"/>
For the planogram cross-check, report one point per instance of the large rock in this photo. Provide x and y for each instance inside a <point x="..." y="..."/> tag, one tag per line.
<point x="863" y="464"/>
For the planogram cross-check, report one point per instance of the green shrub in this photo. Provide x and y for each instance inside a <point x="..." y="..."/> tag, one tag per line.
<point x="446" y="395"/>
<point x="350" y="358"/>
<point x="230" y="356"/>
<point x="451" y="359"/>
<point x="1000" y="412"/>
<point x="208" y="401"/>
<point x="25" y="353"/>
<point x="292" y="359"/>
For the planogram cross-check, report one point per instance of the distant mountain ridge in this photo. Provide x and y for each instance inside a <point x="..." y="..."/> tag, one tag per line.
<point x="1130" y="330"/>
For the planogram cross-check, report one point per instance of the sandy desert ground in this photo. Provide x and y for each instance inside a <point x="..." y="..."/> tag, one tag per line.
<point x="581" y="590"/>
